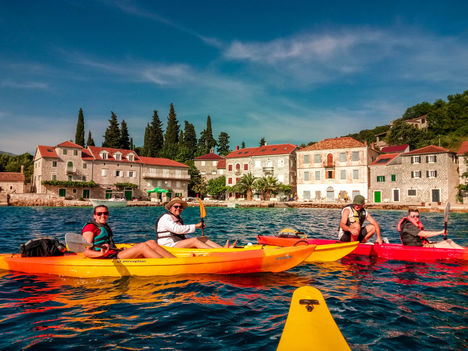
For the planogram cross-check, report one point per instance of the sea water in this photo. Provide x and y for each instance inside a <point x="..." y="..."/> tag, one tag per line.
<point x="378" y="305"/>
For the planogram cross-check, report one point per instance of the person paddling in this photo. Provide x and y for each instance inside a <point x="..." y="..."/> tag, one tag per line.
<point x="412" y="233"/>
<point x="171" y="231"/>
<point x="352" y="221"/>
<point x="99" y="233"/>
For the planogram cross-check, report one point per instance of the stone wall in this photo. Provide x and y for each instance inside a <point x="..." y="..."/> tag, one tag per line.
<point x="43" y="200"/>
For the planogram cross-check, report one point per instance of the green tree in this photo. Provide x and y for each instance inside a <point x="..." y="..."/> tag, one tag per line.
<point x="243" y="145"/>
<point x="196" y="184"/>
<point x="223" y="144"/>
<point x="206" y="141"/>
<point x="217" y="187"/>
<point x="170" y="146"/>
<point x="417" y="110"/>
<point x="246" y="185"/>
<point x="404" y="133"/>
<point x="79" y="134"/>
<point x="262" y="141"/>
<point x="90" y="141"/>
<point x="112" y="135"/>
<point x="156" y="136"/>
<point x="10" y="163"/>
<point x="266" y="186"/>
<point x="146" y="150"/>
<point x="124" y="137"/>
<point x="187" y="143"/>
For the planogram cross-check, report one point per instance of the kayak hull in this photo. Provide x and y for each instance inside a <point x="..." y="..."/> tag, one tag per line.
<point x="310" y="328"/>
<point x="77" y="265"/>
<point x="328" y="252"/>
<point x="384" y="251"/>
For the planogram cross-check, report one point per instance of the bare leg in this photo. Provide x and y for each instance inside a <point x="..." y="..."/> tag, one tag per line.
<point x="370" y="231"/>
<point x="139" y="250"/>
<point x="192" y="242"/>
<point x="448" y="244"/>
<point x="355" y="229"/>
<point x="160" y="250"/>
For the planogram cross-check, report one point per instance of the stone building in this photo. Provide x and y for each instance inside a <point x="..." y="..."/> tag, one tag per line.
<point x="277" y="160"/>
<point x="208" y="165"/>
<point x="333" y="170"/>
<point x="463" y="169"/>
<point x="111" y="169"/>
<point x="12" y="182"/>
<point x="425" y="175"/>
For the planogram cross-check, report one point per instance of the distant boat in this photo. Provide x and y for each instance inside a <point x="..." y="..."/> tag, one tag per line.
<point x="112" y="202"/>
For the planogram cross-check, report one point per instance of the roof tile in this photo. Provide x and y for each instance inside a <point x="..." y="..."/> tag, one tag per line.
<point x="210" y="156"/>
<point x="278" y="149"/>
<point x="431" y="149"/>
<point x="463" y="148"/>
<point x="157" y="161"/>
<point x="334" y="143"/>
<point x="11" y="177"/>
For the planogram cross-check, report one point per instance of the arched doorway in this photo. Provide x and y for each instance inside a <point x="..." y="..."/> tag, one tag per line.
<point x="330" y="194"/>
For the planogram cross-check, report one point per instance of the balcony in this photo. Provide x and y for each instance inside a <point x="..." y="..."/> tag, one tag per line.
<point x="268" y="169"/>
<point x="329" y="164"/>
<point x="160" y="175"/>
<point x="71" y="170"/>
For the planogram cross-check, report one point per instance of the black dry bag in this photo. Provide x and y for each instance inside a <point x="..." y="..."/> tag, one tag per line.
<point x="42" y="247"/>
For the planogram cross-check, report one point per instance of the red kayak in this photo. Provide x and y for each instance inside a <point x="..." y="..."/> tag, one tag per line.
<point x="385" y="251"/>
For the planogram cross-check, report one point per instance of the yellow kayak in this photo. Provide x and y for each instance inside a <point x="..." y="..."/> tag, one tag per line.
<point x="309" y="325"/>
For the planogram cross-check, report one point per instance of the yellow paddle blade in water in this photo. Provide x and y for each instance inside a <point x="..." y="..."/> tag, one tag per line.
<point x="202" y="209"/>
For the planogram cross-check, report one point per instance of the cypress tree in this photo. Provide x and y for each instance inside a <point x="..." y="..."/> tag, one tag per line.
<point x="124" y="137"/>
<point x="206" y="141"/>
<point x="262" y="141"/>
<point x="132" y="146"/>
<point x="223" y="144"/>
<point x="156" y="136"/>
<point x="112" y="135"/>
<point x="79" y="134"/>
<point x="172" y="135"/>
<point x="147" y="142"/>
<point x="90" y="141"/>
<point x="243" y="145"/>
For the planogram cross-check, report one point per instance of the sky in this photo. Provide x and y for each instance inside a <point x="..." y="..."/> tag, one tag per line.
<point x="289" y="71"/>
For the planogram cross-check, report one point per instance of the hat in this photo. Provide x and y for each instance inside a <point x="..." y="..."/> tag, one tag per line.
<point x="176" y="200"/>
<point x="359" y="200"/>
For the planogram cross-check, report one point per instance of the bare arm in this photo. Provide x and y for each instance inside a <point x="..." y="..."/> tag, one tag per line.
<point x="344" y="219"/>
<point x="89" y="237"/>
<point x="377" y="228"/>
<point x="429" y="234"/>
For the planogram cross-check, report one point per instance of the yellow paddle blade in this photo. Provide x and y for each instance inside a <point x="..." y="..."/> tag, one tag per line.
<point x="202" y="209"/>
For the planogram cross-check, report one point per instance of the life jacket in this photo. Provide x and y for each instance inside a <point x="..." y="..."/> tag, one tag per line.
<point x="353" y="217"/>
<point x="105" y="236"/>
<point x="168" y="234"/>
<point x="408" y="239"/>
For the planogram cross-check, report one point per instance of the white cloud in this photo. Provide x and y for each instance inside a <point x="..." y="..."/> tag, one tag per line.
<point x="24" y="85"/>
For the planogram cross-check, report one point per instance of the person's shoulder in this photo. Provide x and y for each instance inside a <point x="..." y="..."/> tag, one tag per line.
<point x="89" y="227"/>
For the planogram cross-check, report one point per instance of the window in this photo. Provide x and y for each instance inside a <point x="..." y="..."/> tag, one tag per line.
<point x="69" y="164"/>
<point x="431" y="159"/>
<point x="411" y="192"/>
<point x="214" y="163"/>
<point x="317" y="158"/>
<point x="62" y="192"/>
<point x="342" y="156"/>
<point x="54" y="163"/>
<point x="258" y="164"/>
<point x="64" y="151"/>
<point x="104" y="172"/>
<point x="416" y="174"/>
<point x="281" y="178"/>
<point x="229" y="180"/>
<point x="237" y="166"/>
<point x="380" y="178"/>
<point x="329" y="174"/>
<point x="118" y="173"/>
<point x="343" y="174"/>
<point x="230" y="167"/>
<point x="281" y="163"/>
<point x="202" y="163"/>
<point x="246" y="166"/>
<point x="104" y="155"/>
<point x="131" y="174"/>
<point x="431" y="174"/>
<point x="415" y="159"/>
<point x="355" y="155"/>
<point x="85" y="165"/>
<point x="70" y="178"/>
<point x="75" y="152"/>
<point x="54" y="177"/>
<point x="118" y="156"/>
<point x="306" y="176"/>
<point x="317" y="175"/>
<point x="131" y="157"/>
<point x="355" y="174"/>
<point x="83" y="178"/>
<point x="306" y="195"/>
<point x="306" y="159"/>
<point x="393" y="177"/>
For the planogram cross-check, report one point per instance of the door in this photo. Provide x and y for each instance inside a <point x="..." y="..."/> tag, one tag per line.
<point x="330" y="194"/>
<point x="85" y="193"/>
<point x="377" y="196"/>
<point x="108" y="194"/>
<point x="435" y="195"/>
<point x="128" y="194"/>
<point x="396" y="195"/>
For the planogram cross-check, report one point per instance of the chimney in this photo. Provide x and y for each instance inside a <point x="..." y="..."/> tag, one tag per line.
<point x="373" y="146"/>
<point x="237" y="147"/>
<point x="22" y="169"/>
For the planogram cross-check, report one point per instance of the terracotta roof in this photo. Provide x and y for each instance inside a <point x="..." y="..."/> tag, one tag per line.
<point x="47" y="151"/>
<point x="86" y="154"/>
<point x="221" y="164"/>
<point x="416" y="119"/>
<point x="335" y="143"/>
<point x="384" y="159"/>
<point x="394" y="148"/>
<point x="69" y="144"/>
<point x="156" y="161"/>
<point x="96" y="150"/>
<point x="463" y="148"/>
<point x="278" y="149"/>
<point x="431" y="149"/>
<point x="11" y="177"/>
<point x="210" y="156"/>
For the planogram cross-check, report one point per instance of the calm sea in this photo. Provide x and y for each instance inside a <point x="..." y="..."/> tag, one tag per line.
<point x="378" y="305"/>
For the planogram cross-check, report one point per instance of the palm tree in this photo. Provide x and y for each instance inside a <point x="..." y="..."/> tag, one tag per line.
<point x="267" y="185"/>
<point x="246" y="185"/>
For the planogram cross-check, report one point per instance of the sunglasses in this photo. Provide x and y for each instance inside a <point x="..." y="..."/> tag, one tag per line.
<point x="102" y="213"/>
<point x="415" y="216"/>
<point x="176" y="207"/>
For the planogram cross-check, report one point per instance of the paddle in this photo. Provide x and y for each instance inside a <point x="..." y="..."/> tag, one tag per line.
<point x="76" y="242"/>
<point x="446" y="214"/>
<point x="202" y="216"/>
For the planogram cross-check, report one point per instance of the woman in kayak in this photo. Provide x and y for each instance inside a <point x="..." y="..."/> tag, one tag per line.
<point x="98" y="233"/>
<point x="171" y="231"/>
<point x="412" y="233"/>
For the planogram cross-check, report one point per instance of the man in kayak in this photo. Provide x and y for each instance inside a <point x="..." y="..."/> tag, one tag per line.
<point x="171" y="231"/>
<point x="98" y="233"/>
<point x="412" y="233"/>
<point x="352" y="221"/>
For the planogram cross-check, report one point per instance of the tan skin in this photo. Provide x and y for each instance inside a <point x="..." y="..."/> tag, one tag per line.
<point x="355" y="228"/>
<point x="446" y="244"/>
<point x="148" y="249"/>
<point x="201" y="242"/>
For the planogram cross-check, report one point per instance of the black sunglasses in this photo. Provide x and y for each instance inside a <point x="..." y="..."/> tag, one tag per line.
<point x="102" y="213"/>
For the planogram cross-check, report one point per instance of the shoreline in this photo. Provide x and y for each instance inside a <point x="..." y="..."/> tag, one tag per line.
<point x="51" y="201"/>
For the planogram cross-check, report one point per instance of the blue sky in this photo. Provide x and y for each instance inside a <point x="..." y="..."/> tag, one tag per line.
<point x="289" y="71"/>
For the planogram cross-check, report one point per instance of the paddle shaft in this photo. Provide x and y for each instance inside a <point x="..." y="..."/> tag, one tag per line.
<point x="446" y="215"/>
<point x="202" y="216"/>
